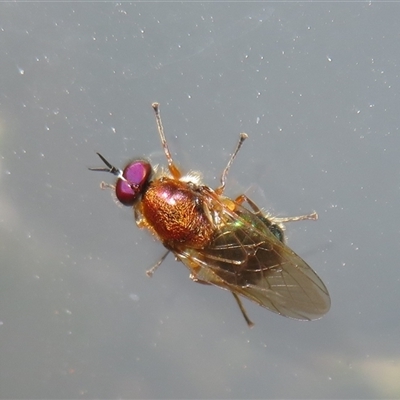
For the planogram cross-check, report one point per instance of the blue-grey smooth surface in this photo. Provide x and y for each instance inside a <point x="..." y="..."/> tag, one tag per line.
<point x="316" y="87"/>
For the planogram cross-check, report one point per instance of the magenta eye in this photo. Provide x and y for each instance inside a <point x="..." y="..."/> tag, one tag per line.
<point x="136" y="175"/>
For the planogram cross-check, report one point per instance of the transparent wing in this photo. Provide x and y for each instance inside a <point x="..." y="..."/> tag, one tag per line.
<point x="247" y="259"/>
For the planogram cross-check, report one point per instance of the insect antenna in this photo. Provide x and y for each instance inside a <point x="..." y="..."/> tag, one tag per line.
<point x="110" y="168"/>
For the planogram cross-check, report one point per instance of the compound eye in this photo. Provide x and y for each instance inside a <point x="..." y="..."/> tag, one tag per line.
<point x="136" y="176"/>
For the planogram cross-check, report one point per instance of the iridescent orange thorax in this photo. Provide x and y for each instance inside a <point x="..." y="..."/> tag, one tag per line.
<point x="175" y="211"/>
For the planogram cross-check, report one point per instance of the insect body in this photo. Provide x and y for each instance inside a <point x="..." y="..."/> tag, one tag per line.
<point x="224" y="242"/>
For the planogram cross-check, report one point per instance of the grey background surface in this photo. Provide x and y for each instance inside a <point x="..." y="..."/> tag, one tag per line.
<point x="315" y="85"/>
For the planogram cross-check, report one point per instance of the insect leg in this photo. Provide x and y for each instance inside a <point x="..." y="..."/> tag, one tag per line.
<point x="242" y="309"/>
<point x="313" y="216"/>
<point x="220" y="189"/>
<point x="171" y="165"/>
<point x="275" y="227"/>
<point x="151" y="271"/>
<point x="243" y="198"/>
<point x="249" y="322"/>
